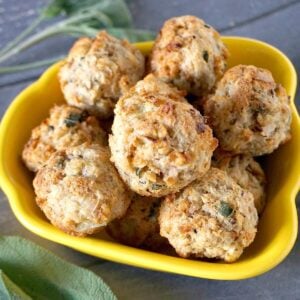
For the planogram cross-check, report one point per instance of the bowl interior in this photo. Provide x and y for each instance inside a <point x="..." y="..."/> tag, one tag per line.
<point x="278" y="224"/>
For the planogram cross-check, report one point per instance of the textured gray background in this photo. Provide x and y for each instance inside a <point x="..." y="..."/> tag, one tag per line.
<point x="274" y="21"/>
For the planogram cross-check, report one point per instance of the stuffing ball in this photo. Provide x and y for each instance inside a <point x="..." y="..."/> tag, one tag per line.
<point x="189" y="54"/>
<point x="98" y="71"/>
<point x="249" y="112"/>
<point x="213" y="217"/>
<point x="159" y="142"/>
<point x="246" y="172"/>
<point x="80" y="191"/>
<point x="66" y="126"/>
<point x="139" y="227"/>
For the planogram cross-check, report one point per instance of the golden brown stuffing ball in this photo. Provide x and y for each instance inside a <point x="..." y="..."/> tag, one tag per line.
<point x="246" y="172"/>
<point x="139" y="227"/>
<point x="98" y="71"/>
<point x="212" y="217"/>
<point x="80" y="191"/>
<point x="249" y="112"/>
<point x="66" y="126"/>
<point x="159" y="142"/>
<point x="189" y="54"/>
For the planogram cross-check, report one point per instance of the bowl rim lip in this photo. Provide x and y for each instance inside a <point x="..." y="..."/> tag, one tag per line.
<point x="33" y="225"/>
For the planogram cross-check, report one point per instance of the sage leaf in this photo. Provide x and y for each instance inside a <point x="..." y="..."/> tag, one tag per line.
<point x="43" y="275"/>
<point x="74" y="119"/>
<point x="75" y="18"/>
<point x="9" y="290"/>
<point x="116" y="10"/>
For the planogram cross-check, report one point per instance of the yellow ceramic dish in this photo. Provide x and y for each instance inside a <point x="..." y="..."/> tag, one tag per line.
<point x="277" y="228"/>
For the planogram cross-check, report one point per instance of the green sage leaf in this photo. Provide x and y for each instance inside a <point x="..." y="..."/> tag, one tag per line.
<point x="116" y="10"/>
<point x="225" y="209"/>
<point x="43" y="275"/>
<point x="9" y="290"/>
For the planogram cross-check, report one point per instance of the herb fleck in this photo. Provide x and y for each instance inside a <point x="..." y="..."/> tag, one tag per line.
<point x="206" y="25"/>
<point x="51" y="127"/>
<point x="225" y="209"/>
<point x="73" y="119"/>
<point x="138" y="172"/>
<point x="259" y="110"/>
<point x="60" y="163"/>
<point x="156" y="186"/>
<point x="205" y="55"/>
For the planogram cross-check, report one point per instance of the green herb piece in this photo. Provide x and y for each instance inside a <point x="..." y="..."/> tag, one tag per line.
<point x="225" y="209"/>
<point x="205" y="55"/>
<point x="259" y="110"/>
<point x="9" y="290"/>
<point x="76" y="18"/>
<point x="32" y="271"/>
<point x="73" y="119"/>
<point x="138" y="172"/>
<point x="206" y="25"/>
<point x="156" y="186"/>
<point x="60" y="163"/>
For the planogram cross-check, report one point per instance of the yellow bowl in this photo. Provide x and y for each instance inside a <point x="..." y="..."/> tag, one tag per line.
<point x="278" y="225"/>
